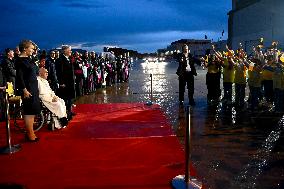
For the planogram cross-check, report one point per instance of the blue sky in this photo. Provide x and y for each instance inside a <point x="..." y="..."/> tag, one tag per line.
<point x="142" y="25"/>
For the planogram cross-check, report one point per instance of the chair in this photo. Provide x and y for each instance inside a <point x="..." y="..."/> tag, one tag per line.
<point x="12" y="98"/>
<point x="48" y="117"/>
<point x="16" y="111"/>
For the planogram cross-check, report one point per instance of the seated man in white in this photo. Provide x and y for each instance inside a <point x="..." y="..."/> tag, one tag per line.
<point x="55" y="104"/>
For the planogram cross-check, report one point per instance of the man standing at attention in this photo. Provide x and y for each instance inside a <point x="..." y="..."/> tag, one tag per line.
<point x="186" y="72"/>
<point x="50" y="66"/>
<point x="65" y="77"/>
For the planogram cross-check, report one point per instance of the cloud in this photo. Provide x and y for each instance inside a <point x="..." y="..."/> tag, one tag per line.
<point x="151" y="41"/>
<point x="118" y="22"/>
<point x="83" y="4"/>
<point x="201" y="14"/>
<point x="145" y="42"/>
<point x="38" y="2"/>
<point x="170" y="36"/>
<point x="16" y="9"/>
<point x="146" y="47"/>
<point x="90" y="46"/>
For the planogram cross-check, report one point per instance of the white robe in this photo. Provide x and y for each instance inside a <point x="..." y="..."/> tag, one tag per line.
<point x="46" y="95"/>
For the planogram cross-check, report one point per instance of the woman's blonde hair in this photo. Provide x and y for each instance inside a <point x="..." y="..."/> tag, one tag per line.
<point x="25" y="44"/>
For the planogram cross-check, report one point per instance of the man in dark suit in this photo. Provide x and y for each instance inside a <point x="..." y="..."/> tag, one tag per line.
<point x="2" y="95"/>
<point x="65" y="77"/>
<point x="186" y="72"/>
<point x="50" y="66"/>
<point x="8" y="65"/>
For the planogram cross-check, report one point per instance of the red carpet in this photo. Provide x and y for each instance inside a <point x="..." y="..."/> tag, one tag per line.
<point x="104" y="146"/>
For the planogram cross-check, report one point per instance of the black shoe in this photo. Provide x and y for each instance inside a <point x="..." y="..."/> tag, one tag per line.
<point x="63" y="122"/>
<point x="49" y="126"/>
<point x="69" y="117"/>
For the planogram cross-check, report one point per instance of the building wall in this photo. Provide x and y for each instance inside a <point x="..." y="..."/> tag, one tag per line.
<point x="239" y="4"/>
<point x="256" y="19"/>
<point x="197" y="47"/>
<point x="220" y="45"/>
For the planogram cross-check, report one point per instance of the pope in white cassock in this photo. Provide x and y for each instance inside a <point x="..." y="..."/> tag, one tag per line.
<point x="55" y="104"/>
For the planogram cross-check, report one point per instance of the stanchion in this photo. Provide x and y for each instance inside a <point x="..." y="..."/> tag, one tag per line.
<point x="187" y="181"/>
<point x="150" y="102"/>
<point x="9" y="149"/>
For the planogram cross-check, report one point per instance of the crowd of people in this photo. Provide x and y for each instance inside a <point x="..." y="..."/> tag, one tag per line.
<point x="56" y="78"/>
<point x="262" y="71"/>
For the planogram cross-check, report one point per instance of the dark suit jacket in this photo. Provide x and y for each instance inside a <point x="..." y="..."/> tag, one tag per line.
<point x="65" y="75"/>
<point x="181" y="71"/>
<point x="52" y="76"/>
<point x="2" y="81"/>
<point x="9" y="71"/>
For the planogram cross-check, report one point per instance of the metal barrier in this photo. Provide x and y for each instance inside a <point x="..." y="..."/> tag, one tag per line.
<point x="9" y="149"/>
<point x="186" y="181"/>
<point x="150" y="102"/>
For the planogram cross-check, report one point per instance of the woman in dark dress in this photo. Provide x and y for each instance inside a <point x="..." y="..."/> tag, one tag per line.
<point x="28" y="86"/>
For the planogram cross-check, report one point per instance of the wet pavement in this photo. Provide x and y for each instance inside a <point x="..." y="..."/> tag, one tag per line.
<point x="229" y="148"/>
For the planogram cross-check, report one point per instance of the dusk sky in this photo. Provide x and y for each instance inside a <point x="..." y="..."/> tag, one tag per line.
<point x="144" y="25"/>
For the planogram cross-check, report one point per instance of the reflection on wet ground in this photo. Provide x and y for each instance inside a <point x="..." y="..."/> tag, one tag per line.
<point x="230" y="149"/>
